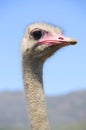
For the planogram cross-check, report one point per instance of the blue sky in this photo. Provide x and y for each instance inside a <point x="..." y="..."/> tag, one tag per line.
<point x="66" y="70"/>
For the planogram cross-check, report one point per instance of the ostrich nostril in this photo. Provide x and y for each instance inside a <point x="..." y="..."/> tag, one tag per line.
<point x="60" y="38"/>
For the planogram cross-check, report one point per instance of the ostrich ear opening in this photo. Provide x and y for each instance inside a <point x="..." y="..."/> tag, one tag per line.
<point x="25" y="45"/>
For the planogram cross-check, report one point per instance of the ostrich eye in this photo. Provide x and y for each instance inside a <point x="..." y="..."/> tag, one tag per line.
<point x="36" y="34"/>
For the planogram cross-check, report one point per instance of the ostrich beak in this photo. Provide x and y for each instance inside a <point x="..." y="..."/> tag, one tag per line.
<point x="57" y="39"/>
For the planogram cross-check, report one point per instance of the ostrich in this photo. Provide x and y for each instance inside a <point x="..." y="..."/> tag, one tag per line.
<point x="40" y="41"/>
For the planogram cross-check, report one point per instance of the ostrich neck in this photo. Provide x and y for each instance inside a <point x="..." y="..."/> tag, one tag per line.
<point x="32" y="74"/>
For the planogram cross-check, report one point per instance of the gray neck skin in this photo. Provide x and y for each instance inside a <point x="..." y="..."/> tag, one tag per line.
<point x="32" y="74"/>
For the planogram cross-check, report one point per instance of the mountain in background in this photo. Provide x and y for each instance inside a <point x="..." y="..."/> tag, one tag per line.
<point x="65" y="109"/>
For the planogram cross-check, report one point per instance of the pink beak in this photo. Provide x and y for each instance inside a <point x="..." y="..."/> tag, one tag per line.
<point x="57" y="39"/>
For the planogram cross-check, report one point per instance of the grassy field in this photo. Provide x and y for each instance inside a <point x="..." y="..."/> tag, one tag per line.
<point x="75" y="126"/>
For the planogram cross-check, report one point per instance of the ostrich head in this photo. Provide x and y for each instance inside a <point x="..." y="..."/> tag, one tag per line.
<point x="42" y="40"/>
